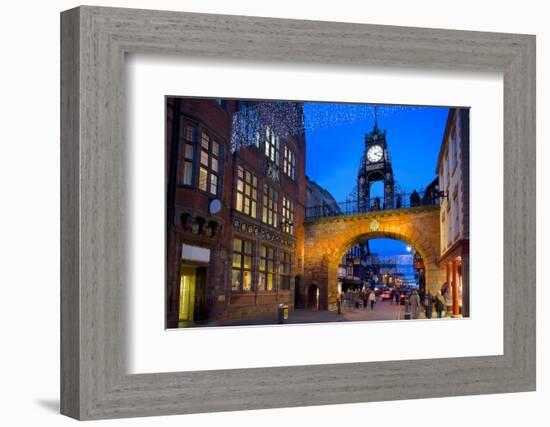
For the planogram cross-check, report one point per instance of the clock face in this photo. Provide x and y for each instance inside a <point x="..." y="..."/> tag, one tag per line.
<point x="375" y="153"/>
<point x="215" y="206"/>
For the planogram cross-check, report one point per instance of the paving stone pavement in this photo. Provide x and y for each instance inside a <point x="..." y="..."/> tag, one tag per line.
<point x="383" y="310"/>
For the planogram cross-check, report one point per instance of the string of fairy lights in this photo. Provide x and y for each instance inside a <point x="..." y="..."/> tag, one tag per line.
<point x="285" y="118"/>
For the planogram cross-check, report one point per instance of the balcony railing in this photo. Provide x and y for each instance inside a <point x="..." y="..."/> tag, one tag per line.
<point x="354" y="207"/>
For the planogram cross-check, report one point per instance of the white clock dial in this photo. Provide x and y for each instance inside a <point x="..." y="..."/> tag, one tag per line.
<point x="375" y="153"/>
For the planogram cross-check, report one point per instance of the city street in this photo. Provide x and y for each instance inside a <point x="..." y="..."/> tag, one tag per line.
<point x="383" y="310"/>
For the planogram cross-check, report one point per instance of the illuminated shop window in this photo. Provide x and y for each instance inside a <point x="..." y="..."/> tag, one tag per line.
<point x="267" y="268"/>
<point x="242" y="265"/>
<point x="269" y="206"/>
<point x="247" y="192"/>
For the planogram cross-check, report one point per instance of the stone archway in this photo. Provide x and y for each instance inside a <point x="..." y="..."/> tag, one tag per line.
<point x="328" y="239"/>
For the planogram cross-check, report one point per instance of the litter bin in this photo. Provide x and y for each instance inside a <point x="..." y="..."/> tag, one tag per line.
<point x="283" y="313"/>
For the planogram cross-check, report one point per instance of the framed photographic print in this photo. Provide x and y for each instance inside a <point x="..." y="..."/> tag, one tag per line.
<point x="244" y="211"/>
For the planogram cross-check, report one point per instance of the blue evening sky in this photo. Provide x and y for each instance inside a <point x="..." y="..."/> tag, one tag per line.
<point x="414" y="135"/>
<point x="334" y="149"/>
<point x="388" y="247"/>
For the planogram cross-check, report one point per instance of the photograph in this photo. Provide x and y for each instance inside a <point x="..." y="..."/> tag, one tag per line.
<point x="297" y="212"/>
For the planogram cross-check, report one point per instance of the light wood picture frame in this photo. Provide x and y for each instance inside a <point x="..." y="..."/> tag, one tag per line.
<point x="94" y="269"/>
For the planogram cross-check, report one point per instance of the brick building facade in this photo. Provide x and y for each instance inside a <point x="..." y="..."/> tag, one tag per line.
<point x="234" y="213"/>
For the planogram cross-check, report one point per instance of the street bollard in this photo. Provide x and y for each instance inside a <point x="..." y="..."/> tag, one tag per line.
<point x="282" y="312"/>
<point x="339" y="306"/>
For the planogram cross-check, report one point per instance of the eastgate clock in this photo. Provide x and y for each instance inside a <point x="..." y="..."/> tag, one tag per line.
<point x="375" y="153"/>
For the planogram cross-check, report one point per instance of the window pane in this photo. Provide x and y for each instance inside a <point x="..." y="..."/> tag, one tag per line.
<point x="253" y="210"/>
<point x="236" y="280"/>
<point x="203" y="176"/>
<point x="189" y="130"/>
<point x="214" y="165"/>
<point x="205" y="140"/>
<point x="188" y="151"/>
<point x="247" y="280"/>
<point x="269" y="281"/>
<point x="247" y="247"/>
<point x="213" y="184"/>
<point x="262" y="251"/>
<point x="187" y="173"/>
<point x="237" y="260"/>
<point x="239" y="202"/>
<point x="237" y="245"/>
<point x="215" y="148"/>
<point x="204" y="158"/>
<point x="240" y="172"/>
<point x="285" y="282"/>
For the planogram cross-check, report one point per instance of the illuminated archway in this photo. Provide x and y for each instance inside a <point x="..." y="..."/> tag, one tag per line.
<point x="328" y="239"/>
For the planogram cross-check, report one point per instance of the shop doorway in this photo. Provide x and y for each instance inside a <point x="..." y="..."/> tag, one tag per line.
<point x="192" y="305"/>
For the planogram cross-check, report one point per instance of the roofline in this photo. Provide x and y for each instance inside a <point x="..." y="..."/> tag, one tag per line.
<point x="445" y="140"/>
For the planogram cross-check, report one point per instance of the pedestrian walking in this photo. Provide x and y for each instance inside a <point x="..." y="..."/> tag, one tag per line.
<point x="365" y="297"/>
<point x="372" y="299"/>
<point x="392" y="295"/>
<point x="439" y="304"/>
<point x="415" y="305"/>
<point x="397" y="292"/>
<point x="428" y="302"/>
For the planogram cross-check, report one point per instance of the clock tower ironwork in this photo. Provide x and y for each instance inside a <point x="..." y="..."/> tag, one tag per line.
<point x="375" y="166"/>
